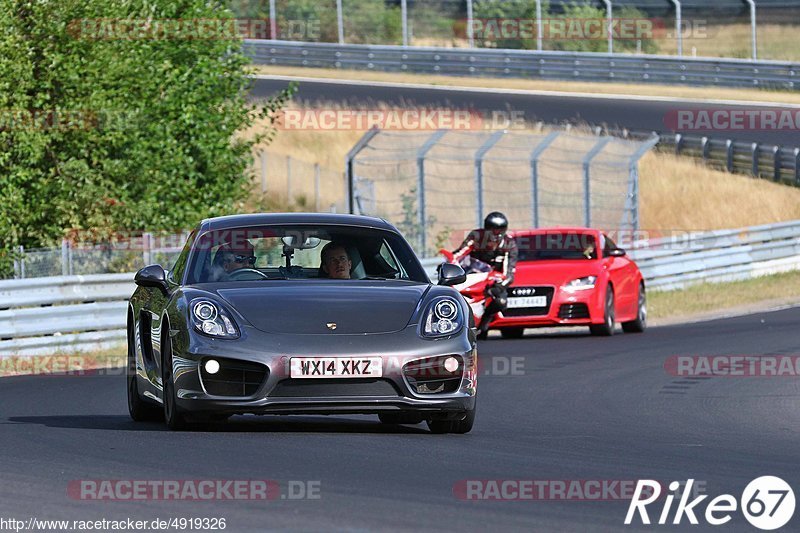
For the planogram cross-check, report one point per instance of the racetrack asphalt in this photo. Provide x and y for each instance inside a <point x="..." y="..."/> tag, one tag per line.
<point x="576" y="407"/>
<point x="639" y="114"/>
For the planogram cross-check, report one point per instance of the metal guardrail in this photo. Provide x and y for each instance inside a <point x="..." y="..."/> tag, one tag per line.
<point x="716" y="256"/>
<point x="77" y="313"/>
<point x="548" y="65"/>
<point x="757" y="159"/>
<point x="63" y="314"/>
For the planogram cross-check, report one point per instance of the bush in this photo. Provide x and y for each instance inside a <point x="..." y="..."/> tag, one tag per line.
<point x="130" y="134"/>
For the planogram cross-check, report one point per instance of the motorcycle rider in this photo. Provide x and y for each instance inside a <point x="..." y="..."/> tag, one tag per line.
<point x="491" y="249"/>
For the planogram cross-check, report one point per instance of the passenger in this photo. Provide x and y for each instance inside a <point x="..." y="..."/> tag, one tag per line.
<point x="336" y="263"/>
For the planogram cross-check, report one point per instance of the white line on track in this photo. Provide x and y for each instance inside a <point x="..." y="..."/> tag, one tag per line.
<point x="528" y="92"/>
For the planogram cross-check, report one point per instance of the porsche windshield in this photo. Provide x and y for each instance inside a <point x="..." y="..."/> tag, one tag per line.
<point x="301" y="252"/>
<point x="557" y="246"/>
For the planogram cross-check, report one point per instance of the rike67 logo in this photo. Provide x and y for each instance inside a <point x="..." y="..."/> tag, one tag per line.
<point x="767" y="503"/>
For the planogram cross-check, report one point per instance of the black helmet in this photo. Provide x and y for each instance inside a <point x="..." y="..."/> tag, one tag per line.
<point x="496" y="221"/>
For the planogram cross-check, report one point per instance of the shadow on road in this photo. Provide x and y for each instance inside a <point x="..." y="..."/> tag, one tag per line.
<point x="237" y="424"/>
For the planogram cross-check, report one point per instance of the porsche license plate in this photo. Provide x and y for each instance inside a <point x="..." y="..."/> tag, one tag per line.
<point x="336" y="367"/>
<point x="527" y="301"/>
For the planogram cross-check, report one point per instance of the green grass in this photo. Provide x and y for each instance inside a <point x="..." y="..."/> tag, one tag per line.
<point x="710" y="297"/>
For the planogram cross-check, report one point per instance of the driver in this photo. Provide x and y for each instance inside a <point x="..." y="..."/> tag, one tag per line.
<point x="229" y="259"/>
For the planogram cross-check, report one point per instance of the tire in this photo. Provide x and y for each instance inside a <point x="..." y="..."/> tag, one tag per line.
<point x="175" y="419"/>
<point x="139" y="409"/>
<point x="640" y="324"/>
<point x="399" y="418"/>
<point x="512" y="333"/>
<point x="606" y="329"/>
<point x="453" y="426"/>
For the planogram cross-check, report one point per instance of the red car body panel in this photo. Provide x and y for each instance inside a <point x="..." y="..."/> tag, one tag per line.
<point x="549" y="276"/>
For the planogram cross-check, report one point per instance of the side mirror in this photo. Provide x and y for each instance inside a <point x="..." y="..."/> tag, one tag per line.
<point x="152" y="276"/>
<point x="617" y="252"/>
<point x="450" y="274"/>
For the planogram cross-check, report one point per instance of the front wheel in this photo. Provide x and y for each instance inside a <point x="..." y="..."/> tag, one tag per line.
<point x="453" y="426"/>
<point x="139" y="409"/>
<point x="640" y="324"/>
<point x="175" y="419"/>
<point x="606" y="329"/>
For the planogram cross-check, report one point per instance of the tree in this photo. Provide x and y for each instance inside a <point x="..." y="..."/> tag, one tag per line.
<point x="120" y="115"/>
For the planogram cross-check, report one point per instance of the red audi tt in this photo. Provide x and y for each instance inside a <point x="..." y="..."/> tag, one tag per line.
<point x="573" y="277"/>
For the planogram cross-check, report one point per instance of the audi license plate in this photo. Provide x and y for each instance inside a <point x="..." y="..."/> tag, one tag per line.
<point x="527" y="301"/>
<point x="336" y="367"/>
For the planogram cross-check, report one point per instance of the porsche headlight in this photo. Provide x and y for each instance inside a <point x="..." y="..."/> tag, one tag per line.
<point x="211" y="319"/>
<point x="580" y="284"/>
<point x="442" y="318"/>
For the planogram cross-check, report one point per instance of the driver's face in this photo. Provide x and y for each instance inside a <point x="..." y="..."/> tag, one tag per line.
<point x="337" y="264"/>
<point x="238" y="260"/>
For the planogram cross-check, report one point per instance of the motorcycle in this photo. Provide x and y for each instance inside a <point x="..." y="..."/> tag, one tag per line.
<point x="481" y="277"/>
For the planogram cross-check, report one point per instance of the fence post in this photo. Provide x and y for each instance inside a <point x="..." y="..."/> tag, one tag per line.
<point x="797" y="166"/>
<point x="21" y="262"/>
<point x="610" y="25"/>
<point x="539" y="25"/>
<point x="470" y="25"/>
<point x="289" y="178"/>
<point x="316" y="186"/>
<point x="778" y="163"/>
<point x="679" y="26"/>
<point x="587" y="187"/>
<point x="422" y="219"/>
<point x="756" y="153"/>
<point x="273" y="22"/>
<point x="404" y="20"/>
<point x="263" y="157"/>
<point x="496" y="136"/>
<point x="537" y="152"/>
<point x="632" y="202"/>
<point x="340" y="21"/>
<point x="147" y="247"/>
<point x="350" y="176"/>
<point x="729" y="152"/>
<point x="753" y="27"/>
<point x="64" y="257"/>
<point x="678" y="143"/>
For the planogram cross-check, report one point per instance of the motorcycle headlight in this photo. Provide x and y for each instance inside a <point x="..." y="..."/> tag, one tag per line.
<point x="443" y="317"/>
<point x="211" y="319"/>
<point x="581" y="284"/>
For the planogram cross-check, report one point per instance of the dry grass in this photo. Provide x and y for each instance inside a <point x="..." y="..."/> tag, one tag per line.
<point x="737" y="295"/>
<point x="680" y="193"/>
<point x="703" y="93"/>
<point x="775" y="41"/>
<point x="676" y="193"/>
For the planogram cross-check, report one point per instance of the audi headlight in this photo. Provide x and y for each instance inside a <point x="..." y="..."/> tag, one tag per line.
<point x="443" y="317"/>
<point x="580" y="284"/>
<point x="212" y="320"/>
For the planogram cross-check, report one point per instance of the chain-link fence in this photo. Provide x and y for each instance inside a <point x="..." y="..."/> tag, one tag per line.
<point x="435" y="186"/>
<point x="126" y="254"/>
<point x="301" y="184"/>
<point x="762" y="29"/>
